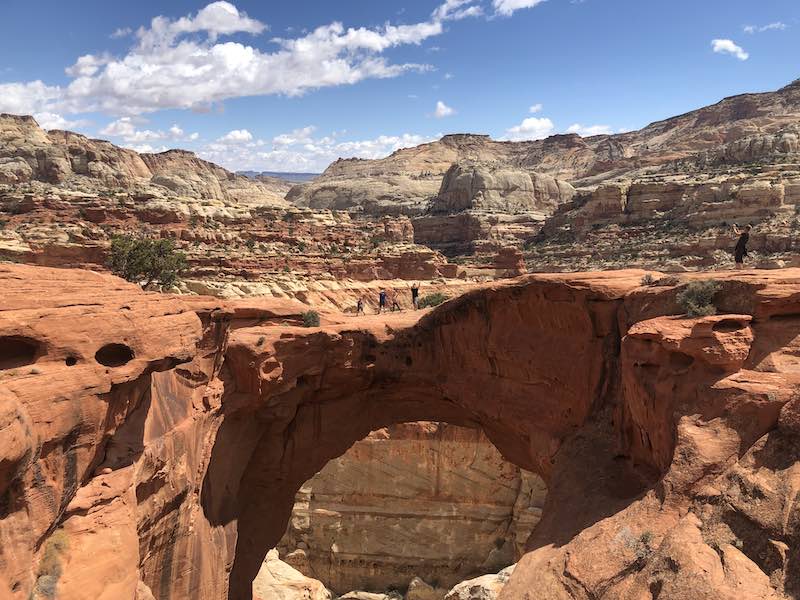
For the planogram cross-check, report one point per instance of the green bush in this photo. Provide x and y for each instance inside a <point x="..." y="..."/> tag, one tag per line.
<point x="310" y="318"/>
<point x="432" y="300"/>
<point x="146" y="261"/>
<point x="697" y="298"/>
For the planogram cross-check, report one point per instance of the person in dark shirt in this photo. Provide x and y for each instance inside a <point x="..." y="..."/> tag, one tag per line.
<point x="360" y="307"/>
<point x="740" y="251"/>
<point x="415" y="295"/>
<point x="381" y="301"/>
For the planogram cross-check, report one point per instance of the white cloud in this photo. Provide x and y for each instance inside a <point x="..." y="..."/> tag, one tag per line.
<point x="121" y="32"/>
<point x="454" y="10"/>
<point x="298" y="150"/>
<point x="777" y="26"/>
<point x="126" y="128"/>
<point x="729" y="47"/>
<point x="28" y="98"/>
<point x="532" y="128"/>
<point x="507" y="7"/>
<point x="298" y="136"/>
<point x="236" y="136"/>
<point x="145" y="148"/>
<point x="49" y="120"/>
<point x="168" y="68"/>
<point x="217" y="18"/>
<point x="536" y="108"/>
<point x="181" y="63"/>
<point x="590" y="130"/>
<point x="442" y="110"/>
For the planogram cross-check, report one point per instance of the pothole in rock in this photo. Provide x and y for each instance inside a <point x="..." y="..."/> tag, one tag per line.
<point x="114" y="355"/>
<point x="19" y="351"/>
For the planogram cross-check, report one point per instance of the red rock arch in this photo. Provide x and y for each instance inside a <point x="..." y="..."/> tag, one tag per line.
<point x="526" y="364"/>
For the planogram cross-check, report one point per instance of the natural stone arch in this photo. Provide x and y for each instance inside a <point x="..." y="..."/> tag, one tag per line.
<point x="493" y="359"/>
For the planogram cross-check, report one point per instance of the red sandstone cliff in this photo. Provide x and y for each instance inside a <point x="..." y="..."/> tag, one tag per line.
<point x="152" y="444"/>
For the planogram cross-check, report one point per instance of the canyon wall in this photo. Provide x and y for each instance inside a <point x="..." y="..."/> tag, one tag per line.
<point x="426" y="500"/>
<point x="153" y="445"/>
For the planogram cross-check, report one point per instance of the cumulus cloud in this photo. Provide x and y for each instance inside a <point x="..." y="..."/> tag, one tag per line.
<point x="236" y="136"/>
<point x="454" y="10"/>
<point x="442" y="110"/>
<point x="777" y="26"/>
<point x="729" y="47"/>
<point x="536" y="108"/>
<point x="48" y="120"/>
<point x="590" y="130"/>
<point x="507" y="7"/>
<point x="28" y="98"/>
<point x="182" y="64"/>
<point x="297" y="136"/>
<point x="532" y="128"/>
<point x="126" y="129"/>
<point x="300" y="150"/>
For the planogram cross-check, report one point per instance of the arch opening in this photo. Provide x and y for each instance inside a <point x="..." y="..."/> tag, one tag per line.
<point x="423" y="500"/>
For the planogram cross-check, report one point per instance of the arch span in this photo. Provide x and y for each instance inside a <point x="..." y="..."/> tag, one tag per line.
<point x="527" y="364"/>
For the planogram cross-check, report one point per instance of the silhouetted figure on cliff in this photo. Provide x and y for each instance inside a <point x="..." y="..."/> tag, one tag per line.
<point x="415" y="296"/>
<point x="740" y="251"/>
<point x="360" y="306"/>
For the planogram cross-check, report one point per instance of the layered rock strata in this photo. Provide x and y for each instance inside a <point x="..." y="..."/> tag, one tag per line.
<point x="422" y="499"/>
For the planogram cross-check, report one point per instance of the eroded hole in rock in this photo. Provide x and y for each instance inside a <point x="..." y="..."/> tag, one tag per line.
<point x="18" y="351"/>
<point x="729" y="325"/>
<point x="114" y="355"/>
<point x="71" y="361"/>
<point x="422" y="500"/>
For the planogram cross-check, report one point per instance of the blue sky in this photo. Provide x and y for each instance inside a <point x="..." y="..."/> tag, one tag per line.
<point x="292" y="86"/>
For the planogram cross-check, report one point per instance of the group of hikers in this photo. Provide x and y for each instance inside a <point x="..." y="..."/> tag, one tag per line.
<point x="389" y="299"/>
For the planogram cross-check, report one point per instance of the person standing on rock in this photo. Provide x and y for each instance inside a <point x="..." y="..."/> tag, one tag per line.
<point x="360" y="306"/>
<point x="395" y="303"/>
<point x="415" y="295"/>
<point x="740" y="251"/>
<point x="381" y="301"/>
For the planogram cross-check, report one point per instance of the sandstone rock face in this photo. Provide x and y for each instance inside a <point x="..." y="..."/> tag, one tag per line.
<point x="278" y="581"/>
<point x="424" y="499"/>
<point x="155" y="443"/>
<point x="29" y="154"/>
<point x="494" y="188"/>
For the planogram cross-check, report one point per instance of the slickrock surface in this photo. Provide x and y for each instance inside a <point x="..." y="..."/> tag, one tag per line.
<point x="165" y="459"/>
<point x="421" y="499"/>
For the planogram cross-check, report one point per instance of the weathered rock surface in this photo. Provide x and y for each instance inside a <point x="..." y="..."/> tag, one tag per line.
<point x="425" y="499"/>
<point x="486" y="587"/>
<point x="67" y="159"/>
<point x="278" y="581"/>
<point x="167" y="456"/>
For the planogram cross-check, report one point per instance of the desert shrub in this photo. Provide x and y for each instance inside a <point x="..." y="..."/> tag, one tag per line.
<point x="697" y="298"/>
<point x="643" y="548"/>
<point x="648" y="279"/>
<point x="310" y="318"/>
<point x="434" y="299"/>
<point x="146" y="261"/>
